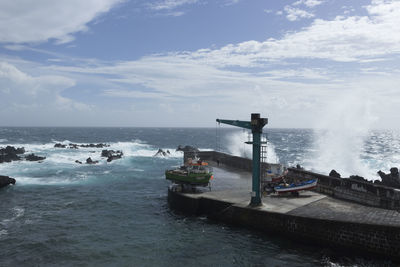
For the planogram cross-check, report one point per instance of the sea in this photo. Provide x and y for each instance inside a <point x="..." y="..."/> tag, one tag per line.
<point x="61" y="213"/>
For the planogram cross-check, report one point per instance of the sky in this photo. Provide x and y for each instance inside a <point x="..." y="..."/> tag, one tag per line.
<point x="184" y="63"/>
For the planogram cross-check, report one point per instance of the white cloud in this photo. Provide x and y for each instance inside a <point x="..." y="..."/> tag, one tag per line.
<point x="25" y="21"/>
<point x="170" y="4"/>
<point x="294" y="14"/>
<point x="23" y="95"/>
<point x="308" y="3"/>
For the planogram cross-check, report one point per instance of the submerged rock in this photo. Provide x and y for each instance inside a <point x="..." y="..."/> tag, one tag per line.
<point x="6" y="180"/>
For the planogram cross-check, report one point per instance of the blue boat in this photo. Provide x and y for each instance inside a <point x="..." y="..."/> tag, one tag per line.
<point x="295" y="187"/>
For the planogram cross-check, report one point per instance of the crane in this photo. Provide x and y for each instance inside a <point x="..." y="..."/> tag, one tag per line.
<point x="256" y="125"/>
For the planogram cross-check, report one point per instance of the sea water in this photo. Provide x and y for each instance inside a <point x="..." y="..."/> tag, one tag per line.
<point x="116" y="213"/>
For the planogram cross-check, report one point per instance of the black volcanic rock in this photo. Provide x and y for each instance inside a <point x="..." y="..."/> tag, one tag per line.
<point x="162" y="153"/>
<point x="111" y="154"/>
<point x="392" y="179"/>
<point x="10" y="153"/>
<point x="334" y="173"/>
<point x="187" y="149"/>
<point x="33" y="157"/>
<point x="90" y="161"/>
<point x="5" y="180"/>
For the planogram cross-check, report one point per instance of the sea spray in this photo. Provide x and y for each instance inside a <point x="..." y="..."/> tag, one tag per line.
<point x="236" y="146"/>
<point x="340" y="135"/>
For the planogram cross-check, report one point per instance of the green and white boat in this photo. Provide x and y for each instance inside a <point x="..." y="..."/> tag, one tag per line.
<point x="196" y="172"/>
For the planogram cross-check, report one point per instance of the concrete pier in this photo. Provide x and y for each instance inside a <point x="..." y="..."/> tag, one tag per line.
<point x="312" y="216"/>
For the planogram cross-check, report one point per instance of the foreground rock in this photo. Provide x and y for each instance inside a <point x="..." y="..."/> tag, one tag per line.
<point x="33" y="157"/>
<point x="162" y="153"/>
<point x="5" y="180"/>
<point x="187" y="149"/>
<point x="111" y="154"/>
<point x="334" y="173"/>
<point x="10" y="153"/>
<point x="76" y="146"/>
<point x="392" y="179"/>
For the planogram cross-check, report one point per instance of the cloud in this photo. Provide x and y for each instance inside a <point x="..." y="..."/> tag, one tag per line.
<point x="170" y="4"/>
<point x="294" y="14"/>
<point x="24" y="96"/>
<point x="25" y="21"/>
<point x="308" y="3"/>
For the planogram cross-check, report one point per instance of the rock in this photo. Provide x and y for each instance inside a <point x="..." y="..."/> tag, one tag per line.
<point x="90" y="161"/>
<point x="5" y="180"/>
<point x="10" y="153"/>
<point x="162" y="153"/>
<point x="111" y="154"/>
<point x="33" y="157"/>
<point x="77" y="161"/>
<point x="358" y="178"/>
<point x="58" y="145"/>
<point x="76" y="146"/>
<point x="187" y="149"/>
<point x="334" y="173"/>
<point x="392" y="179"/>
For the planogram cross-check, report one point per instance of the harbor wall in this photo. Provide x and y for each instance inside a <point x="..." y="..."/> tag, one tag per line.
<point x="352" y="190"/>
<point x="363" y="238"/>
<point x="342" y="188"/>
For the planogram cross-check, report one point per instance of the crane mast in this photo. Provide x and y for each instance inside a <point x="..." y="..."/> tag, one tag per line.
<point x="256" y="124"/>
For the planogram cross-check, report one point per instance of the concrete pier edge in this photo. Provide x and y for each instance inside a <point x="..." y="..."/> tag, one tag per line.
<point x="363" y="239"/>
<point x="363" y="236"/>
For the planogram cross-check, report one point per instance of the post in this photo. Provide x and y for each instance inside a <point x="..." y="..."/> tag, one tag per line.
<point x="256" y="125"/>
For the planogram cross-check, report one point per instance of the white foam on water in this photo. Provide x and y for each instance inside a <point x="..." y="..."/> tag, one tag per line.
<point x="16" y="213"/>
<point x="3" y="233"/>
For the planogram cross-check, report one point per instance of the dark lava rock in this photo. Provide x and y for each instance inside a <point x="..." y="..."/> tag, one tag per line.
<point x="58" y="145"/>
<point x="187" y="149"/>
<point x="90" y="161"/>
<point x="76" y="146"/>
<point x="111" y="154"/>
<point x="334" y="173"/>
<point x="33" y="157"/>
<point x="5" y="180"/>
<point x="358" y="178"/>
<point x="162" y="153"/>
<point x="77" y="161"/>
<point x="10" y="153"/>
<point x="392" y="179"/>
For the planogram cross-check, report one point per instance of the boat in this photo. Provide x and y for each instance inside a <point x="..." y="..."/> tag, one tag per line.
<point x="195" y="172"/>
<point x="296" y="187"/>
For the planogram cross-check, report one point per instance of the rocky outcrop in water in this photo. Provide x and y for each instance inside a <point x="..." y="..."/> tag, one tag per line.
<point x="5" y="180"/>
<point x="10" y="153"/>
<point x="90" y="161"/>
<point x="111" y="154"/>
<point x="162" y="153"/>
<point x="33" y="157"/>
<point x="76" y="146"/>
<point x="187" y="149"/>
<point x="392" y="179"/>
